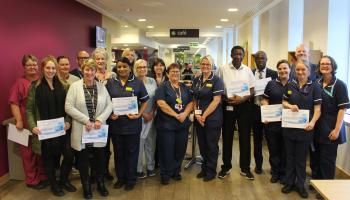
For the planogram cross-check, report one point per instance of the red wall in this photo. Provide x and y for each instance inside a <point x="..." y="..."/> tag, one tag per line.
<point x="40" y="27"/>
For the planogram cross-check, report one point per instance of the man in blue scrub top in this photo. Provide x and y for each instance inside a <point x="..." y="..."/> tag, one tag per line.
<point x="174" y="100"/>
<point x="125" y="129"/>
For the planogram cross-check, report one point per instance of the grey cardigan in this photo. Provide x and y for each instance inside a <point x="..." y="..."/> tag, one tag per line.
<point x="76" y="107"/>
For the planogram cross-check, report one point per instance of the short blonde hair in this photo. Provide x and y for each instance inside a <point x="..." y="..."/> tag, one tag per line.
<point x="138" y="63"/>
<point x="209" y="58"/>
<point x="90" y="63"/>
<point x="100" y="51"/>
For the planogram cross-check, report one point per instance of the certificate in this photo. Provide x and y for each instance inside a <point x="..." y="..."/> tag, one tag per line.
<point x="239" y="88"/>
<point x="18" y="136"/>
<point x="51" y="128"/>
<point x="295" y="119"/>
<point x="125" y="105"/>
<point x="260" y="85"/>
<point x="271" y="113"/>
<point x="95" y="135"/>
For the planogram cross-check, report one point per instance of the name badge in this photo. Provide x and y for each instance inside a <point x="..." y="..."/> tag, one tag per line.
<point x="197" y="112"/>
<point x="128" y="89"/>
<point x="229" y="108"/>
<point x="209" y="85"/>
<point x="178" y="107"/>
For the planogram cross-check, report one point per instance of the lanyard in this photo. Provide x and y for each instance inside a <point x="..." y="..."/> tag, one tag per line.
<point x="91" y="96"/>
<point x="177" y="93"/>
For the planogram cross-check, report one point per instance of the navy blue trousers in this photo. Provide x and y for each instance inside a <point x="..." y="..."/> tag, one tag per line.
<point x="324" y="159"/>
<point x="277" y="153"/>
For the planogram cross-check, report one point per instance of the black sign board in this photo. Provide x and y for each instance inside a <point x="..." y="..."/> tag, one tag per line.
<point x="184" y="47"/>
<point x="177" y="50"/>
<point x="184" y="33"/>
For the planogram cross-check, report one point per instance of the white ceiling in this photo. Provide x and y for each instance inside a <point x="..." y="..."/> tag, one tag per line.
<point x="166" y="14"/>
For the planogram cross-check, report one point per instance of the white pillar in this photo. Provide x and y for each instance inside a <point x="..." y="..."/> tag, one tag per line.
<point x="295" y="23"/>
<point x="255" y="34"/>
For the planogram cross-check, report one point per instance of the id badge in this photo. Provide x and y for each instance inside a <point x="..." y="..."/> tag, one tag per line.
<point x="197" y="112"/>
<point x="178" y="100"/>
<point x="178" y="107"/>
<point x="229" y="108"/>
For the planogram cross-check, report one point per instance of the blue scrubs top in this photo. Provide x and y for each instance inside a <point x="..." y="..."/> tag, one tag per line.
<point x="204" y="93"/>
<point x="133" y="87"/>
<point x="334" y="97"/>
<point x="305" y="98"/>
<point x="274" y="91"/>
<point x="167" y="93"/>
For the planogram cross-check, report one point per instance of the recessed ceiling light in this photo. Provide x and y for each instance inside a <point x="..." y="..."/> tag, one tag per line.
<point x="218" y="26"/>
<point x="150" y="26"/>
<point x="128" y="10"/>
<point x="224" y="20"/>
<point x="145" y="48"/>
<point x="125" y="26"/>
<point x="141" y="20"/>
<point x="125" y="45"/>
<point x="233" y="9"/>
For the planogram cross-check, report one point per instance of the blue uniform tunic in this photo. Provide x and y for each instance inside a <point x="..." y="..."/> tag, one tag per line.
<point x="133" y="87"/>
<point x="204" y="93"/>
<point x="334" y="97"/>
<point x="167" y="93"/>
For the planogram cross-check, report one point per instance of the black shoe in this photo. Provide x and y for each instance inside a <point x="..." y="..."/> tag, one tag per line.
<point x="129" y="186"/>
<point x="224" y="173"/>
<point x="164" y="180"/>
<point x="108" y="176"/>
<point x="68" y="186"/>
<point x="119" y="184"/>
<point x="87" y="191"/>
<point x="248" y="175"/>
<point x="302" y="192"/>
<point x="151" y="173"/>
<point x="57" y="191"/>
<point x="258" y="170"/>
<point x="208" y="178"/>
<point x="287" y="189"/>
<point x="274" y="179"/>
<point x="102" y="188"/>
<point x="201" y="174"/>
<point x="177" y="177"/>
<point x="141" y="175"/>
<point x="311" y="187"/>
<point x="39" y="186"/>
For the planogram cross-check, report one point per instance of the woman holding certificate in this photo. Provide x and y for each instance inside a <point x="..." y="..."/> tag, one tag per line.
<point x="301" y="95"/>
<point x="174" y="101"/>
<point x="330" y="128"/>
<point x="207" y="90"/>
<point x="129" y="97"/>
<point x="148" y="133"/>
<point x="89" y="104"/>
<point x="45" y="102"/>
<point x="273" y="96"/>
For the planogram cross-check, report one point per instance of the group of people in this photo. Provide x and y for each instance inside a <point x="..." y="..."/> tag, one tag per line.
<point x="83" y="97"/>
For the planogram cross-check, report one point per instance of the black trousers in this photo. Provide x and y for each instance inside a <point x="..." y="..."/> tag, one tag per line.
<point x="208" y="138"/>
<point x="277" y="153"/>
<point x="84" y="163"/>
<point x="258" y="135"/>
<point x="324" y="158"/>
<point x="68" y="159"/>
<point x="108" y="152"/>
<point x="172" y="146"/>
<point x="296" y="154"/>
<point x="241" y="114"/>
<point x="51" y="149"/>
<point x="126" y="154"/>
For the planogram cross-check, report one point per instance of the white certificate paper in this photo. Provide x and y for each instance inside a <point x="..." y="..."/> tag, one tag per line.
<point x="260" y="85"/>
<point x="95" y="135"/>
<point x="239" y="88"/>
<point x="125" y="105"/>
<point x="18" y="136"/>
<point x="295" y="119"/>
<point x="271" y="113"/>
<point x="51" y="128"/>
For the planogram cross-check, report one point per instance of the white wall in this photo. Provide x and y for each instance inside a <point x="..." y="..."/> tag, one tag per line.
<point x="315" y="24"/>
<point x="245" y="37"/>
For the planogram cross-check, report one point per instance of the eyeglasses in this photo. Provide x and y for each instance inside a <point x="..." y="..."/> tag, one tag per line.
<point x="206" y="64"/>
<point x="141" y="67"/>
<point x="31" y="65"/>
<point x="83" y="58"/>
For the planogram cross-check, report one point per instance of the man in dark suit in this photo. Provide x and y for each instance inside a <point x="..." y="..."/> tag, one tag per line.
<point x="303" y="53"/>
<point x="260" y="72"/>
<point x="81" y="57"/>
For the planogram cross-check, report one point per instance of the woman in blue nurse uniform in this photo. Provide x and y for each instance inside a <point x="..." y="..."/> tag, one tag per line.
<point x="174" y="101"/>
<point x="330" y="130"/>
<point x="207" y="90"/>
<point x="304" y="94"/>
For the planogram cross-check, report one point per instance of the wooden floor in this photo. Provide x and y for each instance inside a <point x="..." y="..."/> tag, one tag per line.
<point x="190" y="188"/>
